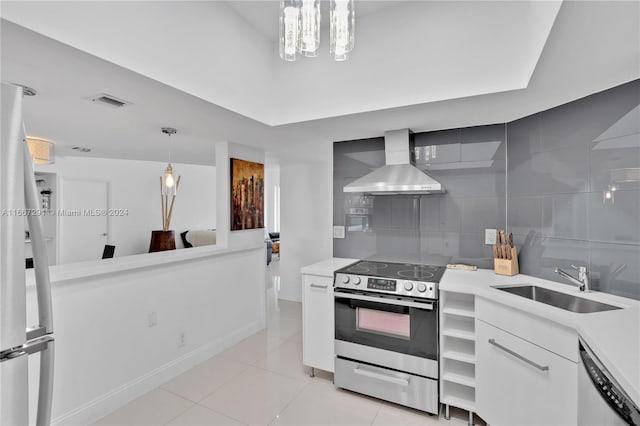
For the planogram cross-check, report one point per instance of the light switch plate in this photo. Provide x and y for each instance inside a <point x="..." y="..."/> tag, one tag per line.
<point x="490" y="236"/>
<point x="338" y="232"/>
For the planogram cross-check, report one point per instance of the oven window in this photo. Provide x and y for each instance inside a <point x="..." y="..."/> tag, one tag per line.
<point x="385" y="323"/>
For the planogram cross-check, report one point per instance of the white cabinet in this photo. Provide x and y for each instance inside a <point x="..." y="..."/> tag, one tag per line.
<point x="317" y="321"/>
<point x="521" y="383"/>
<point x="457" y="351"/>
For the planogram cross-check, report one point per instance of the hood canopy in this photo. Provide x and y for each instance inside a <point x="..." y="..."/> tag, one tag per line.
<point x="399" y="175"/>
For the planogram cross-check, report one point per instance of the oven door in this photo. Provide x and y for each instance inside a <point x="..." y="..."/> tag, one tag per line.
<point x="399" y="333"/>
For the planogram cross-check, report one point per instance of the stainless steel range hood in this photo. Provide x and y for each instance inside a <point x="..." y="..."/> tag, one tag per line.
<point x="399" y="175"/>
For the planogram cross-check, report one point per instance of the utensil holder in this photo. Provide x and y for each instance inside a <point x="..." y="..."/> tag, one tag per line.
<point x="507" y="267"/>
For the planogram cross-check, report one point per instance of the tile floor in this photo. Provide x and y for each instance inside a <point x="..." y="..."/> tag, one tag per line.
<point x="261" y="381"/>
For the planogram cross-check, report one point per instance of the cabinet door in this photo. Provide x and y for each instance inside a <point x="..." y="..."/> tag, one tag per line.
<point x="317" y="322"/>
<point x="519" y="383"/>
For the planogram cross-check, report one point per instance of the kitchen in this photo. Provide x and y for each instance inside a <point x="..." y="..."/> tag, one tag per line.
<point x="532" y="155"/>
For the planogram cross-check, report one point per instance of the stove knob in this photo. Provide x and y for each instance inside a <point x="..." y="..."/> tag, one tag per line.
<point x="345" y="279"/>
<point x="422" y="288"/>
<point x="356" y="280"/>
<point x="408" y="286"/>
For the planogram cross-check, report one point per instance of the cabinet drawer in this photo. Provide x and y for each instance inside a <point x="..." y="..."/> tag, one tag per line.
<point x="535" y="329"/>
<point x="317" y="322"/>
<point x="390" y="385"/>
<point x="317" y="282"/>
<point x="520" y="383"/>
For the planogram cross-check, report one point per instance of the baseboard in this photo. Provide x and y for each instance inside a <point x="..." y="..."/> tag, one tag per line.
<point x="110" y="401"/>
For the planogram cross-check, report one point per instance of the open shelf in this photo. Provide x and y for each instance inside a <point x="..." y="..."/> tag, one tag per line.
<point x="459" y="395"/>
<point x="460" y="334"/>
<point x="459" y="311"/>
<point x="459" y="304"/>
<point x="461" y="372"/>
<point x="457" y="356"/>
<point x="460" y="379"/>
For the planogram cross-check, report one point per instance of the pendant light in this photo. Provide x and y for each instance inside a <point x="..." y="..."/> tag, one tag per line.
<point x="310" y="28"/>
<point x="168" y="185"/>
<point x="41" y="150"/>
<point x="299" y="28"/>
<point x="342" y="25"/>
<point x="289" y="29"/>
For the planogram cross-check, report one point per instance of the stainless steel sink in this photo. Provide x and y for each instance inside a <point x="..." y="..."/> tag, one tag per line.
<point x="557" y="299"/>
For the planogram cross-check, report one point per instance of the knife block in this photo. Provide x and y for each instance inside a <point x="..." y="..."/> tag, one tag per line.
<point x="507" y="267"/>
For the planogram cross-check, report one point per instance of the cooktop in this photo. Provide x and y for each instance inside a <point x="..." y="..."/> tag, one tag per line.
<point x="400" y="271"/>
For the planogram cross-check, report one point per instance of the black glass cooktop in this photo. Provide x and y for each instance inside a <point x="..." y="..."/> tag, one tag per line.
<point x="401" y="271"/>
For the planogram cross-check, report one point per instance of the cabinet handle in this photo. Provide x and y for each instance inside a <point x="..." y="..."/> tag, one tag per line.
<point x="318" y="286"/>
<point x="520" y="357"/>
<point x="379" y="376"/>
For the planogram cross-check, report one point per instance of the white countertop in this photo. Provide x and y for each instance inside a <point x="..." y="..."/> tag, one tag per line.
<point x="327" y="267"/>
<point x="614" y="336"/>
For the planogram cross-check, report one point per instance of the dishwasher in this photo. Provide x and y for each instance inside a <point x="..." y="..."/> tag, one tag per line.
<point x="601" y="400"/>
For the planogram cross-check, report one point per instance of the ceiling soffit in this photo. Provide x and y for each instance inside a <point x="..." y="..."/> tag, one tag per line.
<point x="410" y="53"/>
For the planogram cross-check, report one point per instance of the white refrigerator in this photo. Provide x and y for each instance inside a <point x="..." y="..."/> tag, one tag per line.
<point x="18" y="341"/>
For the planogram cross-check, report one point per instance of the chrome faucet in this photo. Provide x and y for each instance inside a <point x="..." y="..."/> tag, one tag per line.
<point x="583" y="277"/>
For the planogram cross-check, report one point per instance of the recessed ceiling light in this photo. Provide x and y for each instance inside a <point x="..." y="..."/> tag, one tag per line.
<point x="81" y="149"/>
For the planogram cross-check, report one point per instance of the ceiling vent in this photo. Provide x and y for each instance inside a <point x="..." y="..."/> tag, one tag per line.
<point x="109" y="100"/>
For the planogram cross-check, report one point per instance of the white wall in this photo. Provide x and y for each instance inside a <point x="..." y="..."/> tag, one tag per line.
<point x="135" y="186"/>
<point x="272" y="181"/>
<point x="306" y="220"/>
<point x="106" y="353"/>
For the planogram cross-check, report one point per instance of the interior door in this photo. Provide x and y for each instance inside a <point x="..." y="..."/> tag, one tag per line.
<point x="84" y="223"/>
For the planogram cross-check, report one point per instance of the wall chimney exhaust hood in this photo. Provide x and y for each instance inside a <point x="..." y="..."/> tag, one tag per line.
<point x="399" y="175"/>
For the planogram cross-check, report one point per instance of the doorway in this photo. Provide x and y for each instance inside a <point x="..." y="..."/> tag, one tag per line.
<point x="84" y="222"/>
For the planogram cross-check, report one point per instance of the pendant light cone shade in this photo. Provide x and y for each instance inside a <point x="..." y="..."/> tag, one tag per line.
<point x="341" y="37"/>
<point x="310" y="28"/>
<point x="41" y="150"/>
<point x="289" y="29"/>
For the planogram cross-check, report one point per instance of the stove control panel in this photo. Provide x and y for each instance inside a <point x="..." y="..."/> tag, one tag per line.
<point x="381" y="284"/>
<point x="426" y="290"/>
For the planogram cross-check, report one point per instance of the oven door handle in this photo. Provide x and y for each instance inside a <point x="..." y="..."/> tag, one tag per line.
<point x="425" y="306"/>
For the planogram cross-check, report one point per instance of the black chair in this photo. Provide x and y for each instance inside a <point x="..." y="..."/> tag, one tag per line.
<point x="274" y="236"/>
<point x="108" y="251"/>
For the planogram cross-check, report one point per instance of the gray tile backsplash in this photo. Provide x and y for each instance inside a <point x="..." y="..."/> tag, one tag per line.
<point x="436" y="228"/>
<point x="560" y="163"/>
<point x="543" y="177"/>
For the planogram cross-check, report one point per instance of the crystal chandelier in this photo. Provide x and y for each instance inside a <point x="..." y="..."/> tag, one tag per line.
<point x="300" y="28"/>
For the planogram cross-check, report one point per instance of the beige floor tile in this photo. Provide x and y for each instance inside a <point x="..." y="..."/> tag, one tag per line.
<point x="251" y="349"/>
<point x="205" y="378"/>
<point x="154" y="408"/>
<point x="321" y="404"/>
<point x="402" y="416"/>
<point x="286" y="359"/>
<point x="254" y="397"/>
<point x="200" y="416"/>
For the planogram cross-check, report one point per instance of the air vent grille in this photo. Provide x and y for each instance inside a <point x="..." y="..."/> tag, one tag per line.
<point x="109" y="100"/>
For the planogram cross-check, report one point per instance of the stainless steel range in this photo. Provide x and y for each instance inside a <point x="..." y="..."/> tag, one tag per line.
<point x="386" y="331"/>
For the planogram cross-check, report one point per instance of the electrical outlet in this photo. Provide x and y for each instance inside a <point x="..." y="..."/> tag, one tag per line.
<point x="182" y="339"/>
<point x="152" y="319"/>
<point x="338" y="232"/>
<point x="490" y="236"/>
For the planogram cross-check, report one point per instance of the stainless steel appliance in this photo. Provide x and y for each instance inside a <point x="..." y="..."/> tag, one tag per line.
<point x="601" y="400"/>
<point x="19" y="197"/>
<point x="399" y="175"/>
<point x="386" y="332"/>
